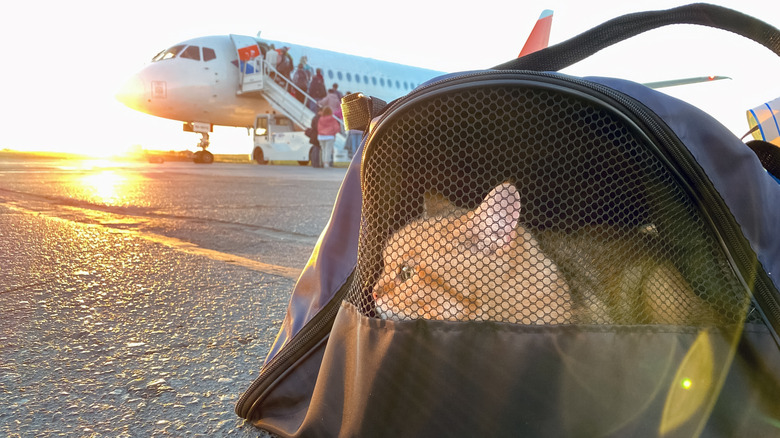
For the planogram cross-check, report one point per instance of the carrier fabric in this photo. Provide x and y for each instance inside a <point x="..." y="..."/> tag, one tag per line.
<point x="602" y="345"/>
<point x="530" y="265"/>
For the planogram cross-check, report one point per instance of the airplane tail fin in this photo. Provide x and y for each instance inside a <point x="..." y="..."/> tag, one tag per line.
<point x="540" y="35"/>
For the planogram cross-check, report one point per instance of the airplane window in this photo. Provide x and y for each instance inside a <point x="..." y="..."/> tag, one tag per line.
<point x="339" y="75"/>
<point x="168" y="53"/>
<point x="382" y="81"/>
<point x="209" y="54"/>
<point x="330" y="74"/>
<point x="357" y="78"/>
<point x="365" y="78"/>
<point x="406" y="85"/>
<point x="373" y="79"/>
<point x="397" y="84"/>
<point x="191" y="52"/>
<point x="349" y="77"/>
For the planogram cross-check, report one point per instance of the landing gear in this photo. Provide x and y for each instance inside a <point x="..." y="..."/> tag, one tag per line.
<point x="203" y="156"/>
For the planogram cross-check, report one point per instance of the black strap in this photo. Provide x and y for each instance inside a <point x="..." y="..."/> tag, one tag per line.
<point x="768" y="154"/>
<point x="576" y="49"/>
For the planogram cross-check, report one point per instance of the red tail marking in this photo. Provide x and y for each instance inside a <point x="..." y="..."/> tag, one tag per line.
<point x="540" y="35"/>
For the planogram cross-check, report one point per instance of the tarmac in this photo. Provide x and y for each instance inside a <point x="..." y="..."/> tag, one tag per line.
<point x="140" y="300"/>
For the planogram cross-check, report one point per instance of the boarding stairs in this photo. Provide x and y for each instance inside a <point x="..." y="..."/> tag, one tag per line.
<point x="264" y="81"/>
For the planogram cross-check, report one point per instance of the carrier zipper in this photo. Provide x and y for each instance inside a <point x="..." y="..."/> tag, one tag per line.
<point x="310" y="335"/>
<point x="736" y="247"/>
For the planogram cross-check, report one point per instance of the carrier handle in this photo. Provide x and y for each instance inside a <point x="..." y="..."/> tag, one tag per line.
<point x="576" y="49"/>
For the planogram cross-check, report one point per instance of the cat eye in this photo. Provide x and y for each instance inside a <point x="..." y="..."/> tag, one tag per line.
<point x="405" y="273"/>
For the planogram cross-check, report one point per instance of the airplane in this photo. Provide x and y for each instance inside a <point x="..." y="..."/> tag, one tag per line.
<point x="223" y="80"/>
<point x="217" y="80"/>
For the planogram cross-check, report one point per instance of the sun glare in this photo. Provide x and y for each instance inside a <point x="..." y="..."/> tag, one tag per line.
<point x="105" y="187"/>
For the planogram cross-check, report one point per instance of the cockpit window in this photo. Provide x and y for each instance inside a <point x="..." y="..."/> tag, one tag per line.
<point x="168" y="53"/>
<point x="209" y="54"/>
<point x="191" y="52"/>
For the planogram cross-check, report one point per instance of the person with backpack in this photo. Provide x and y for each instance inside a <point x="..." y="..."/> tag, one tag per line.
<point x="285" y="65"/>
<point x="301" y="81"/>
<point x="327" y="128"/>
<point x="335" y="89"/>
<point x="316" y="150"/>
<point x="307" y="68"/>
<point x="334" y="101"/>
<point x="317" y="89"/>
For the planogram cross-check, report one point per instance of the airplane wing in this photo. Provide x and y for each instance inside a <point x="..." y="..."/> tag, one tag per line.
<point x="763" y="122"/>
<point x="540" y="34"/>
<point x="684" y="81"/>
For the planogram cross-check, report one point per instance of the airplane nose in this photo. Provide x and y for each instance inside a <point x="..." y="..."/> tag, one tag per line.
<point x="133" y="94"/>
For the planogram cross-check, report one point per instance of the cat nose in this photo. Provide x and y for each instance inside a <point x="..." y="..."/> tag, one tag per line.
<point x="377" y="291"/>
<point x="378" y="287"/>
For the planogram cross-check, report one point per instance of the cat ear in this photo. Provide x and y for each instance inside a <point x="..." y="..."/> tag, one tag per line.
<point x="495" y="219"/>
<point x="436" y="204"/>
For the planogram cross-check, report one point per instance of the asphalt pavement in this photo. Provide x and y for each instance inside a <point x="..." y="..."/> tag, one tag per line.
<point x="139" y="300"/>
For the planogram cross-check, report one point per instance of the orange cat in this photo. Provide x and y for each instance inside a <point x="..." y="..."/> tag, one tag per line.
<point x="453" y="264"/>
<point x="619" y="277"/>
<point x="478" y="265"/>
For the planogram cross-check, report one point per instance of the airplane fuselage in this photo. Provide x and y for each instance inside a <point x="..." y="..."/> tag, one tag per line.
<point x="198" y="80"/>
<point x="194" y="90"/>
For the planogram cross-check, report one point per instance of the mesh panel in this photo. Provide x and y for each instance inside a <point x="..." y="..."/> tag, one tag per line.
<point x="530" y="206"/>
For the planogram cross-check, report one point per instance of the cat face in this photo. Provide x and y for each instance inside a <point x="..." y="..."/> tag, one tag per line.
<point x="472" y="265"/>
<point x="420" y="278"/>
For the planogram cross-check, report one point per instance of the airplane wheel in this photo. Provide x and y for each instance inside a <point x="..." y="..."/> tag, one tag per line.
<point x="203" y="157"/>
<point x="303" y="163"/>
<point x="258" y="154"/>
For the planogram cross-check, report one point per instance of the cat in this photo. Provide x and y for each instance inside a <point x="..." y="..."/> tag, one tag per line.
<point x="619" y="276"/>
<point x="461" y="265"/>
<point x="481" y="264"/>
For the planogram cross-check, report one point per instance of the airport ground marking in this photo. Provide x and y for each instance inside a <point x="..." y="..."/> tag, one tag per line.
<point x="181" y="245"/>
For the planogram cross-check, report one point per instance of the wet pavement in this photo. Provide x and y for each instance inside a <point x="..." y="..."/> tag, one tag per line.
<point x="139" y="299"/>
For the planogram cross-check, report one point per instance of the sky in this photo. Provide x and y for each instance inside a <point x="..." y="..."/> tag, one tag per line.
<point x="64" y="61"/>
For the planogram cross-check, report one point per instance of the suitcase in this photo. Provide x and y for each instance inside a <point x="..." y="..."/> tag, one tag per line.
<point x="315" y="153"/>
